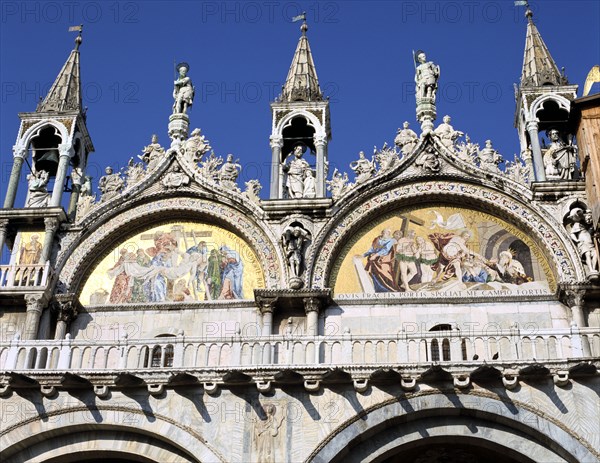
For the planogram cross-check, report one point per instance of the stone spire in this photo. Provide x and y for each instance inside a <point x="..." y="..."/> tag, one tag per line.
<point x="65" y="93"/>
<point x="302" y="83"/>
<point x="538" y="66"/>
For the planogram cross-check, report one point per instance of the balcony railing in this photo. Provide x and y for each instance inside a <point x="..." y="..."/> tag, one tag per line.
<point x="33" y="276"/>
<point x="287" y="351"/>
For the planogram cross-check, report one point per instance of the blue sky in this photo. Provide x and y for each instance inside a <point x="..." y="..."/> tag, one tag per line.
<point x="240" y="52"/>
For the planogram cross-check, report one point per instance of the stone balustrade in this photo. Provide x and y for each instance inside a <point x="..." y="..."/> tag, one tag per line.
<point x="32" y="276"/>
<point x="288" y="351"/>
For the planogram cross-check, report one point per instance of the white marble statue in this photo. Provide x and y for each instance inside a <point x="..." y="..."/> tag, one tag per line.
<point x="293" y="241"/>
<point x="559" y="158"/>
<point x="406" y="139"/>
<point x="183" y="91"/>
<point x="175" y="178"/>
<point x="363" y="168"/>
<point x="581" y="235"/>
<point x="38" y="189"/>
<point x="338" y="185"/>
<point x="195" y="146"/>
<point x="310" y="184"/>
<point x="152" y="153"/>
<point x="229" y="172"/>
<point x="426" y="77"/>
<point x="446" y="132"/>
<point x="489" y="158"/>
<point x="296" y="174"/>
<point x="110" y="185"/>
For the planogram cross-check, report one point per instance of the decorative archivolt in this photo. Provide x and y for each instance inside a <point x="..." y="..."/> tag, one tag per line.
<point x="546" y="231"/>
<point x="82" y="252"/>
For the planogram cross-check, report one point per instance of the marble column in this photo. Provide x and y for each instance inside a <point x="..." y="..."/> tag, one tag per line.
<point x="61" y="175"/>
<point x="321" y="145"/>
<point x="575" y="302"/>
<point x="312" y="306"/>
<point x="13" y="182"/>
<point x="538" y="161"/>
<point x="3" y="232"/>
<point x="35" y="305"/>
<point x="51" y="225"/>
<point x="276" y="145"/>
<point x="266" y="306"/>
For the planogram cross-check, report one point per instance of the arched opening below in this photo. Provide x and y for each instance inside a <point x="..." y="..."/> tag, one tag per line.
<point x="297" y="133"/>
<point x="453" y="450"/>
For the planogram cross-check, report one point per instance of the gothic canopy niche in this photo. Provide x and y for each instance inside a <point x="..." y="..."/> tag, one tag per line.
<point x="175" y="262"/>
<point x="441" y="251"/>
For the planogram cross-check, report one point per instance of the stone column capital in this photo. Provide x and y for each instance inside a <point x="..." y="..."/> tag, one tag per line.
<point x="19" y="152"/>
<point x="35" y="302"/>
<point x="66" y="306"/>
<point x="574" y="297"/>
<point x="65" y="150"/>
<point x="4" y="224"/>
<point x="312" y="304"/>
<point x="320" y="140"/>
<point x="531" y="126"/>
<point x="276" y="141"/>
<point x="266" y="304"/>
<point x="51" y="224"/>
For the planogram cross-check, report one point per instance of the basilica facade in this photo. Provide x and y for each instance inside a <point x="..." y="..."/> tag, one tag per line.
<point x="433" y="303"/>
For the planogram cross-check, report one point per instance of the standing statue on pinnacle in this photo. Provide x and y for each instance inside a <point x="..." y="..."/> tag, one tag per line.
<point x="183" y="91"/>
<point x="426" y="77"/>
<point x="426" y="80"/>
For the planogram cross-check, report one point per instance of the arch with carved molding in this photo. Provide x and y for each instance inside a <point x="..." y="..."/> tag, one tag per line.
<point x="127" y="431"/>
<point x="31" y="132"/>
<point x="311" y="119"/>
<point x="521" y="430"/>
<point x="538" y="104"/>
<point x="85" y="251"/>
<point x="547" y="231"/>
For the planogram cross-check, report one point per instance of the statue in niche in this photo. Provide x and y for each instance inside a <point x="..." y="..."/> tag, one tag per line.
<point x="489" y="158"/>
<point x="293" y="241"/>
<point x="363" y="168"/>
<point x="406" y="139"/>
<point x="296" y="174"/>
<point x="38" y="189"/>
<point x="152" y="153"/>
<point x="110" y="185"/>
<point x="559" y="158"/>
<point x="183" y="91"/>
<point x="229" y="172"/>
<point x="195" y="146"/>
<point x="426" y="77"/>
<point x="582" y="236"/>
<point x="446" y="132"/>
<point x="310" y="184"/>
